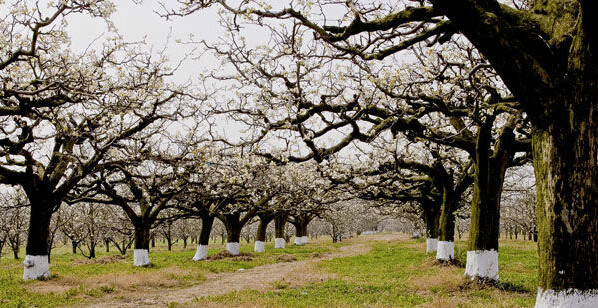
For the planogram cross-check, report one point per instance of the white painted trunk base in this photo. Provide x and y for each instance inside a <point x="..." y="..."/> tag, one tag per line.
<point x="36" y="267"/>
<point x="201" y="253"/>
<point x="571" y="298"/>
<point x="431" y="245"/>
<point x="279" y="242"/>
<point x="233" y="248"/>
<point x="482" y="264"/>
<point x="445" y="251"/>
<point x="259" y="246"/>
<point x="304" y="240"/>
<point x="298" y="240"/>
<point x="141" y="257"/>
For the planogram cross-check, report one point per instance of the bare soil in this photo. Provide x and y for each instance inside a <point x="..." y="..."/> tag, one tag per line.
<point x="262" y="278"/>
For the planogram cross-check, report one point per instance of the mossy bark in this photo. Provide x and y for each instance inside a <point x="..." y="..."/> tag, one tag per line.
<point x="446" y="226"/>
<point x="490" y="169"/>
<point x="262" y="227"/>
<point x="566" y="168"/>
<point x="431" y="216"/>
<point x="548" y="57"/>
<point x="301" y="221"/>
<point x="279" y="223"/>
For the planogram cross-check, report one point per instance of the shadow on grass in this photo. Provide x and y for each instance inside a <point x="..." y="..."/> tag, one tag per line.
<point x="483" y="283"/>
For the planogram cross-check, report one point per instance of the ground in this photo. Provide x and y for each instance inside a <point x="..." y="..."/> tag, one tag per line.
<point x="382" y="270"/>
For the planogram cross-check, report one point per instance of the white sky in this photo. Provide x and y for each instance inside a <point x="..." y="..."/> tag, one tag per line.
<point x="138" y="21"/>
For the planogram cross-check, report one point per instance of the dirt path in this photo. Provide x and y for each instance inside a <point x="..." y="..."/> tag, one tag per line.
<point x="259" y="278"/>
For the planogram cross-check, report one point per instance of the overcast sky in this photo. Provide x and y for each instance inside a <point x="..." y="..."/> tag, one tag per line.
<point x="138" y="21"/>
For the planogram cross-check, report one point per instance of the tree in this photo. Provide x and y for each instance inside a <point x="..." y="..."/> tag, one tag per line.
<point x="432" y="101"/>
<point x="62" y="112"/>
<point x="71" y="225"/>
<point x="143" y="187"/>
<point x="13" y="228"/>
<point x="546" y="54"/>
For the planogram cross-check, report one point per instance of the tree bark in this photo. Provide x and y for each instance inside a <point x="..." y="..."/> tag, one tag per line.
<point x="142" y="237"/>
<point x="279" y="223"/>
<point x="432" y="220"/>
<point x="233" y="227"/>
<point x="556" y="80"/>
<point x="446" y="226"/>
<point x="15" y="252"/>
<point x="38" y="235"/>
<point x="37" y="259"/>
<point x="431" y="215"/>
<point x="566" y="168"/>
<point x="261" y="229"/>
<point x="206" y="227"/>
<point x="484" y="229"/>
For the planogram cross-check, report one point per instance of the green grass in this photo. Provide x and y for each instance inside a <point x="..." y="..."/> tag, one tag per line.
<point x="75" y="273"/>
<point x="395" y="274"/>
<point x="401" y="275"/>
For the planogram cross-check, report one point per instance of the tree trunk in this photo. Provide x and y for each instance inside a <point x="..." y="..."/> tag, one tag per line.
<point x="304" y="232"/>
<point x="92" y="251"/>
<point x="432" y="220"/>
<point x="169" y="243"/>
<point x="260" y="239"/>
<point x="233" y="232"/>
<point x="566" y="168"/>
<point x="15" y="252"/>
<point x="261" y="230"/>
<point x="207" y="221"/>
<point x="279" y="225"/>
<point x="74" y="245"/>
<point x="36" y="264"/>
<point x="206" y="227"/>
<point x="446" y="232"/>
<point x="107" y="243"/>
<point x="142" y="243"/>
<point x="484" y="230"/>
<point x="298" y="234"/>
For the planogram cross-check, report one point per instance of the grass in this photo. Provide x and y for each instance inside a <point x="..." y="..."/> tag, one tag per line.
<point x="401" y="275"/>
<point x="391" y="274"/>
<point x="75" y="279"/>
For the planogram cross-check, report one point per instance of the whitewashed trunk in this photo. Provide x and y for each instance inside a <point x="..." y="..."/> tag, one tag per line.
<point x="482" y="264"/>
<point x="304" y="240"/>
<point x="141" y="257"/>
<point x="233" y="248"/>
<point x="431" y="245"/>
<point x="571" y="298"/>
<point x="279" y="242"/>
<point x="201" y="253"/>
<point x="445" y="251"/>
<point x="36" y="267"/>
<point x="259" y="246"/>
<point x="298" y="241"/>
